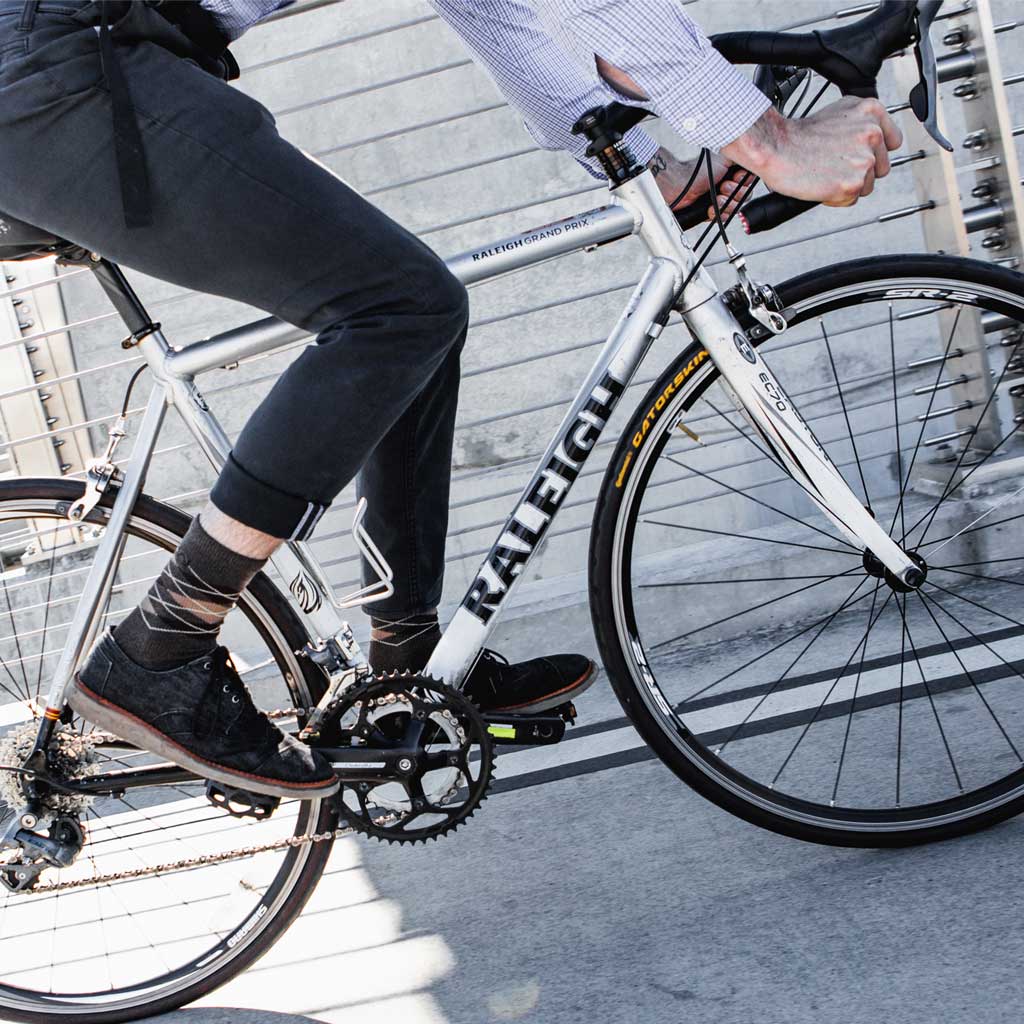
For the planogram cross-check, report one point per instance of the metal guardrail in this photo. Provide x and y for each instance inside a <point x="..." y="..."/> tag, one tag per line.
<point x="970" y="57"/>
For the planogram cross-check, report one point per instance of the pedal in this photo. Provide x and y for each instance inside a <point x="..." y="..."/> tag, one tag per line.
<point x="240" y="803"/>
<point x="527" y="730"/>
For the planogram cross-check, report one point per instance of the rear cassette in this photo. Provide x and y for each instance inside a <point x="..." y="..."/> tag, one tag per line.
<point x="438" y="752"/>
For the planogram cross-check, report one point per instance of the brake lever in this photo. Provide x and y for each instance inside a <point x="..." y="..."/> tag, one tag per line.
<point x="924" y="97"/>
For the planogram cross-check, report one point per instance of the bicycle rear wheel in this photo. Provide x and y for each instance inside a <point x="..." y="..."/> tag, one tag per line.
<point x="150" y="934"/>
<point x="766" y="660"/>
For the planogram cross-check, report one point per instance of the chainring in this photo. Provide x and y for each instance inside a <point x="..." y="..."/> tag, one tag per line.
<point x="443" y="786"/>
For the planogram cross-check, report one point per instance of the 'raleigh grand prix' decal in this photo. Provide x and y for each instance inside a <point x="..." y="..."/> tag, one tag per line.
<point x="537" y="235"/>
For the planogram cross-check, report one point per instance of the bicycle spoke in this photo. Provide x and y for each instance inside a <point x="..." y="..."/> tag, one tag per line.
<point x="754" y="608"/>
<point x="761" y="657"/>
<point x="792" y="665"/>
<point x="974" y="636"/>
<point x="17" y="641"/>
<point x="899" y="713"/>
<point x="46" y="612"/>
<point x="746" y="437"/>
<point x="950" y="486"/>
<point x="745" y="579"/>
<point x="967" y="600"/>
<point x="964" y="533"/>
<point x="984" y="561"/>
<point x="905" y="481"/>
<point x="758" y="501"/>
<point x="862" y="642"/>
<point x="931" y="700"/>
<point x="846" y="415"/>
<point x="899" y="513"/>
<point x="856" y="689"/>
<point x="747" y="536"/>
<point x="963" y="668"/>
<point x="981" y="576"/>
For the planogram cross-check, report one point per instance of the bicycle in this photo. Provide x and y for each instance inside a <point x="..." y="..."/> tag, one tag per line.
<point x="100" y="835"/>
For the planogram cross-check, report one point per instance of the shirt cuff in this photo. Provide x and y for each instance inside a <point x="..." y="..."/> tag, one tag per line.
<point x="714" y="105"/>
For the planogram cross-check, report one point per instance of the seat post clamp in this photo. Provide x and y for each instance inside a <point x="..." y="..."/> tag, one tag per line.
<point x="135" y="337"/>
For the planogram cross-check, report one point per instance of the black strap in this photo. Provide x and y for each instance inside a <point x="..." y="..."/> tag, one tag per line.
<point x="128" y="151"/>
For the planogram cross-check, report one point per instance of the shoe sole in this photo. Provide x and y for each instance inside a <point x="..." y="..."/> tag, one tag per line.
<point x="553" y="700"/>
<point x="127" y="726"/>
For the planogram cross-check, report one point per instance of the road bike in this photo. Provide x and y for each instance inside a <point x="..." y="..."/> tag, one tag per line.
<point x="803" y="597"/>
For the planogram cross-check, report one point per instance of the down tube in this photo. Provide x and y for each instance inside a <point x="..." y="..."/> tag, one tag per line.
<point x="526" y="527"/>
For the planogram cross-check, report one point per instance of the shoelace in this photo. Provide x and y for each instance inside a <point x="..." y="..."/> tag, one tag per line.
<point x="225" y="675"/>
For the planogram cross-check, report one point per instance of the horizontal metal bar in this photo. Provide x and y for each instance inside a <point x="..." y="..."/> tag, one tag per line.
<point x="906" y="211"/>
<point x="394" y="133"/>
<point x="336" y="43"/>
<point x="942" y="385"/>
<point x="34" y="285"/>
<point x="943" y="438"/>
<point x="937" y="413"/>
<point x="77" y="375"/>
<point x="983" y="216"/>
<point x="297" y="7"/>
<point x="363" y="90"/>
<point x="476" y="218"/>
<point x="915" y="364"/>
<point x="952" y="66"/>
<point x="473" y="165"/>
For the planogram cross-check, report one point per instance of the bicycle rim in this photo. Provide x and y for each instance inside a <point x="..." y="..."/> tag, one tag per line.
<point x="766" y="661"/>
<point x="127" y="948"/>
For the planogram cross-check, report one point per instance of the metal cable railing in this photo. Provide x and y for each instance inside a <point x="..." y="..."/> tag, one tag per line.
<point x="520" y="186"/>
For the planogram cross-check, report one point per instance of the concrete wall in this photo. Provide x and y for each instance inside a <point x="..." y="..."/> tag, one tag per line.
<point x="325" y="74"/>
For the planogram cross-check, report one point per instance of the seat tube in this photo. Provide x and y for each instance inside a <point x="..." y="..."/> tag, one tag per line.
<point x="104" y="566"/>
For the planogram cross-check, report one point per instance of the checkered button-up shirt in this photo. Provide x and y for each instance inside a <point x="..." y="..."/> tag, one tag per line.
<point x="541" y="53"/>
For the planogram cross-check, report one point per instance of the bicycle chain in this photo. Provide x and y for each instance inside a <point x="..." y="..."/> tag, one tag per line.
<point x="187" y="864"/>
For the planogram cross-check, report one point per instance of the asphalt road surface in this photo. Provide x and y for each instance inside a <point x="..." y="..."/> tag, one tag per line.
<point x="594" y="887"/>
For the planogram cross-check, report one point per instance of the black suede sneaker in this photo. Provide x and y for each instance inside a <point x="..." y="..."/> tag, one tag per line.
<point x="529" y="686"/>
<point x="201" y="717"/>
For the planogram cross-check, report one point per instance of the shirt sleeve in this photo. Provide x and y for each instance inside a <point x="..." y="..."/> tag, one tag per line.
<point x="695" y="90"/>
<point x="542" y="81"/>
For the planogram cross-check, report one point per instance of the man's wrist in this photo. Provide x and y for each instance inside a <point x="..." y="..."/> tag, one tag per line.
<point x="758" y="148"/>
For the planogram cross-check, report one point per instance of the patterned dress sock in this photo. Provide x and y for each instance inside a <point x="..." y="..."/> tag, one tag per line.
<point x="401" y="644"/>
<point x="179" y="619"/>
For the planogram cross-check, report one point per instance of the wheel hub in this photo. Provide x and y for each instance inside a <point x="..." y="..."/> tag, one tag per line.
<point x="915" y="577"/>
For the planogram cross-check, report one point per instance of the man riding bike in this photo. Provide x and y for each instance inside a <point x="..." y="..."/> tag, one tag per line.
<point x="118" y="131"/>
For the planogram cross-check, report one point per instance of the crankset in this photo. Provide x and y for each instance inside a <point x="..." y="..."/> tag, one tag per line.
<point x="414" y="757"/>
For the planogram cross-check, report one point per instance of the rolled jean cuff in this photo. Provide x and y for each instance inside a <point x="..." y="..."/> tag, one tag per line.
<point x="240" y="495"/>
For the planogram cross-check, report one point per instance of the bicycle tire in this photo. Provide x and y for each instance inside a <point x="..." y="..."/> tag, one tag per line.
<point x="272" y="616"/>
<point x="612" y="589"/>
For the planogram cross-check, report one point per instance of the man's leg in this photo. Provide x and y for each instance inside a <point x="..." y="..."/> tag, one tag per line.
<point x="238" y="212"/>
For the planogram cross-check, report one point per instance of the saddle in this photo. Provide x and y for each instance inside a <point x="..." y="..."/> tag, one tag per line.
<point x="22" y="241"/>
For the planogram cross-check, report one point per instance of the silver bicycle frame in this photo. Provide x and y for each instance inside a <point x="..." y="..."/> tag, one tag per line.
<point x="636" y="209"/>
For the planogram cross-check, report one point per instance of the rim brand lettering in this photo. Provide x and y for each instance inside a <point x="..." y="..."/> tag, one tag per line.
<point x="529" y="522"/>
<point x="931" y="293"/>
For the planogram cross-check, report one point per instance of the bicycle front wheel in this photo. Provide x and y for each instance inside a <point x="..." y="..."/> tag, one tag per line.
<point x="170" y="896"/>
<point x="770" y="663"/>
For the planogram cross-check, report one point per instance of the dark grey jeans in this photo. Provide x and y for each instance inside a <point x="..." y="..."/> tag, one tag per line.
<point x="240" y="212"/>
